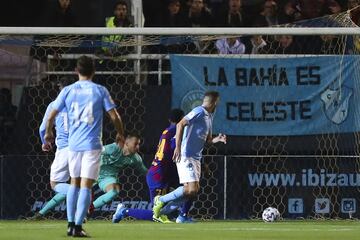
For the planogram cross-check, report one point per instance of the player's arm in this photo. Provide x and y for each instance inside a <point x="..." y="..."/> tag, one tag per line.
<point x="110" y="108"/>
<point x="49" y="135"/>
<point x="45" y="147"/>
<point x="178" y="138"/>
<point x="140" y="166"/>
<point x="119" y="126"/>
<point x="59" y="103"/>
<point x="219" y="138"/>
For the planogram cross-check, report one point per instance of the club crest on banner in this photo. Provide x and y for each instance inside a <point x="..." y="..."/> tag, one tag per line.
<point x="336" y="103"/>
<point x="191" y="100"/>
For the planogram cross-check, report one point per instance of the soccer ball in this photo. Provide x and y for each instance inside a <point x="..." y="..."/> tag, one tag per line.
<point x="270" y="214"/>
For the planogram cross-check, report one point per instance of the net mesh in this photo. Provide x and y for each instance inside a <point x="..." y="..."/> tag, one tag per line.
<point x="129" y="79"/>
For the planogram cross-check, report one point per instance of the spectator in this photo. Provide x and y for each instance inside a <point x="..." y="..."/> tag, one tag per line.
<point x="269" y="14"/>
<point x="232" y="16"/>
<point x="334" y="7"/>
<point x="230" y="46"/>
<point x="172" y="17"/>
<point x="120" y="19"/>
<point x="198" y="15"/>
<point x="310" y="9"/>
<point x="285" y="44"/>
<point x="59" y="14"/>
<point x="290" y="13"/>
<point x="331" y="45"/>
<point x="257" y="43"/>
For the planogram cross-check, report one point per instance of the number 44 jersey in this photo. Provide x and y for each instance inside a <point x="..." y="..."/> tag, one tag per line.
<point x="85" y="103"/>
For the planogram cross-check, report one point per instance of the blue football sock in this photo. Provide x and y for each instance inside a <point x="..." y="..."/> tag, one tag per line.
<point x="186" y="207"/>
<point x="82" y="206"/>
<point x="55" y="201"/>
<point x="71" y="200"/>
<point x="62" y="188"/>
<point x="105" y="198"/>
<point x="141" y="214"/>
<point x="177" y="194"/>
<point x="171" y="207"/>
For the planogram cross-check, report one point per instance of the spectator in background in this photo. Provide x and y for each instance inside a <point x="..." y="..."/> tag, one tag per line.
<point x="172" y="17"/>
<point x="232" y="16"/>
<point x="59" y="14"/>
<point x="309" y="9"/>
<point x="285" y="44"/>
<point x="334" y="7"/>
<point x="257" y="43"/>
<point x="198" y="15"/>
<point x="7" y="117"/>
<point x="331" y="45"/>
<point x="290" y="13"/>
<point x="230" y="46"/>
<point x="120" y="19"/>
<point x="269" y="15"/>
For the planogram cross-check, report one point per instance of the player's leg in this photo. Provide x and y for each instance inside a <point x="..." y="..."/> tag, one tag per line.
<point x="74" y="188"/>
<point x="184" y="211"/>
<point x="90" y="166"/>
<point x="111" y="187"/>
<point x="59" y="175"/>
<point x="189" y="172"/>
<point x="191" y="189"/>
<point x="141" y="214"/>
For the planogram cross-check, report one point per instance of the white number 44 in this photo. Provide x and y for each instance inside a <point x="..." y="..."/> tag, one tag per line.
<point x="85" y="116"/>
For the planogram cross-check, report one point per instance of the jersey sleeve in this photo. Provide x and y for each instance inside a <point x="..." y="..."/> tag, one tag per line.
<point x="169" y="147"/>
<point x="194" y="114"/>
<point x="59" y="103"/>
<point x="108" y="102"/>
<point x="43" y="123"/>
<point x="110" y="148"/>
<point x="139" y="165"/>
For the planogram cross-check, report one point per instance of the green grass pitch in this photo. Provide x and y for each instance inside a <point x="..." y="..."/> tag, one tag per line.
<point x="209" y="230"/>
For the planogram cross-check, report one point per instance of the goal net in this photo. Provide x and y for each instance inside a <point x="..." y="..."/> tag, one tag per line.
<point x="280" y="150"/>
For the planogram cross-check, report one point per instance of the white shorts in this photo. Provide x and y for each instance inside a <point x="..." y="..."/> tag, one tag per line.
<point x="59" y="170"/>
<point x="84" y="164"/>
<point x="189" y="170"/>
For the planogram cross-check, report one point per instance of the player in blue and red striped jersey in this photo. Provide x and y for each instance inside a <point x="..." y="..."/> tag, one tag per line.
<point x="161" y="175"/>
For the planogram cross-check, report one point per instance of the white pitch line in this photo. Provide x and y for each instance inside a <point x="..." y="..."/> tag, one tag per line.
<point x="44" y="226"/>
<point x="278" y="229"/>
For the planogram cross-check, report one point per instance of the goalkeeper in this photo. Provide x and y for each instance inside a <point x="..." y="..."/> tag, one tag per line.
<point x="113" y="159"/>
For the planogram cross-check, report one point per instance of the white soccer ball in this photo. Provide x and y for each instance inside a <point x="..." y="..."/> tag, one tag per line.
<point x="270" y="214"/>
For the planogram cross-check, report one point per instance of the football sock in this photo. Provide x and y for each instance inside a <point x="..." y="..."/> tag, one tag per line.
<point x="171" y="207"/>
<point x="55" y="201"/>
<point x="105" y="198"/>
<point x="141" y="214"/>
<point x="62" y="188"/>
<point x="71" y="200"/>
<point x="82" y="206"/>
<point x="177" y="194"/>
<point x="186" y="207"/>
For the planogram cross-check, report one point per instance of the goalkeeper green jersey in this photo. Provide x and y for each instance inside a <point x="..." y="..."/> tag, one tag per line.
<point x="112" y="160"/>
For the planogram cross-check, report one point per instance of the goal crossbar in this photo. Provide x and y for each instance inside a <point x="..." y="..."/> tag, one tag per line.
<point x="180" y="31"/>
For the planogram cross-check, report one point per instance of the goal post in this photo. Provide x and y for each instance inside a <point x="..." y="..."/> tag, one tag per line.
<point x="289" y="99"/>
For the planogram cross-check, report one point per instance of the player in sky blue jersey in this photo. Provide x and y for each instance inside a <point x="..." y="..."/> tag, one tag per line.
<point x="192" y="132"/>
<point x="85" y="102"/>
<point x="59" y="172"/>
<point x="161" y="175"/>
